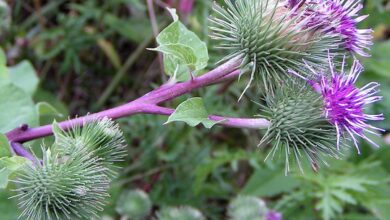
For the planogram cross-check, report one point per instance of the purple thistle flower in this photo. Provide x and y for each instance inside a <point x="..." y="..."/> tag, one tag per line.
<point x="338" y="17"/>
<point x="344" y="103"/>
<point x="294" y="3"/>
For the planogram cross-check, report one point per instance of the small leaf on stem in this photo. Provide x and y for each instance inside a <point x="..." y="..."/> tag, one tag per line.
<point x="183" y="51"/>
<point x="192" y="112"/>
<point x="44" y="108"/>
<point x="8" y="166"/>
<point x="24" y="76"/>
<point x="5" y="150"/>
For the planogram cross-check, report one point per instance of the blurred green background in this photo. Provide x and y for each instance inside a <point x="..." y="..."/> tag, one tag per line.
<point x="76" y="57"/>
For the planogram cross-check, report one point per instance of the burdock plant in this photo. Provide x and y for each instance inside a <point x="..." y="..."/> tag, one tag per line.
<point x="296" y="50"/>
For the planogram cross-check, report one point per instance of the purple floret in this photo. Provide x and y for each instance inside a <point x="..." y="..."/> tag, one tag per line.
<point x="273" y="215"/>
<point x="344" y="103"/>
<point x="339" y="17"/>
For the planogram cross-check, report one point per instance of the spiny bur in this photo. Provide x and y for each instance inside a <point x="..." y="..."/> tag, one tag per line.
<point x="271" y="38"/>
<point x="298" y="127"/>
<point x="102" y="137"/>
<point x="180" y="213"/>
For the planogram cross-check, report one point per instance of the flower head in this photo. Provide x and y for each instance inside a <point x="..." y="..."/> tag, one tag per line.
<point x="344" y="103"/>
<point x="73" y="187"/>
<point x="299" y="129"/>
<point x="270" y="37"/>
<point x="339" y="17"/>
<point x="102" y="137"/>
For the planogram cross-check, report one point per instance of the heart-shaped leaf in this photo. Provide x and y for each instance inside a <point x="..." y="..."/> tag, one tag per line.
<point x="184" y="53"/>
<point x="192" y="112"/>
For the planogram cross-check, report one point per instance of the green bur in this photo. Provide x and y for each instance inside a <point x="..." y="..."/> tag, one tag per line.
<point x="73" y="178"/>
<point x="180" y="213"/>
<point x="298" y="127"/>
<point x="102" y="137"/>
<point x="271" y="39"/>
<point x="71" y="187"/>
<point x="247" y="207"/>
<point x="134" y="204"/>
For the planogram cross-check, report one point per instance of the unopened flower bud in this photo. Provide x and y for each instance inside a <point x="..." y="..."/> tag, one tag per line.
<point x="134" y="204"/>
<point x="247" y="207"/>
<point x="180" y="213"/>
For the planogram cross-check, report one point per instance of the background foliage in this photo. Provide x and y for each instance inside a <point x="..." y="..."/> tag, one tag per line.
<point x="67" y="58"/>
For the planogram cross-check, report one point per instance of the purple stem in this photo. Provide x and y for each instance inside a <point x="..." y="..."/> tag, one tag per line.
<point x="252" y="123"/>
<point x="20" y="136"/>
<point x="227" y="77"/>
<point x="21" y="151"/>
<point x="169" y="92"/>
<point x="147" y="104"/>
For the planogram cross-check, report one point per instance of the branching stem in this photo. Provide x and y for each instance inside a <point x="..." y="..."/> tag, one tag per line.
<point x="148" y="104"/>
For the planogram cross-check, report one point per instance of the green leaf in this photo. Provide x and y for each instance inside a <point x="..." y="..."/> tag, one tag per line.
<point x="192" y="112"/>
<point x="24" y="76"/>
<point x="44" y="109"/>
<point x="379" y="63"/>
<point x="8" y="206"/>
<point x="203" y="170"/>
<point x="328" y="204"/>
<point x="109" y="50"/>
<point x="383" y="209"/>
<point x="45" y="96"/>
<point x="343" y="196"/>
<point x="16" y="108"/>
<point x="339" y="190"/>
<point x="269" y="182"/>
<point x="5" y="150"/>
<point x="184" y="52"/>
<point x="134" y="29"/>
<point x="176" y="69"/>
<point x="13" y="163"/>
<point x="4" y="173"/>
<point x="8" y="166"/>
<point x="357" y="184"/>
